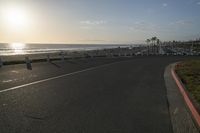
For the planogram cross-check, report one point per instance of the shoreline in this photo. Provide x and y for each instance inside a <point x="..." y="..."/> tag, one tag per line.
<point x="65" y="55"/>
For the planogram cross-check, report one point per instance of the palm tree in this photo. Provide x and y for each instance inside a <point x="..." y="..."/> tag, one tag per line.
<point x="148" y="41"/>
<point x="158" y="41"/>
<point x="158" y="45"/>
<point x="153" y="39"/>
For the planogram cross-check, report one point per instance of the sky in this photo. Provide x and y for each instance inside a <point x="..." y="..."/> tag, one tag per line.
<point x="98" y="21"/>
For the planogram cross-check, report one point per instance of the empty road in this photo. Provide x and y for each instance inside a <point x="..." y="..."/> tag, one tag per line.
<point x="124" y="96"/>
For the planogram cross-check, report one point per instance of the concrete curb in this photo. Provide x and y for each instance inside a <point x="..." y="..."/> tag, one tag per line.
<point x="188" y="102"/>
<point x="181" y="119"/>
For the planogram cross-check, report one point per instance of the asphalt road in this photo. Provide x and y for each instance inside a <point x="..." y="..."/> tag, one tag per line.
<point x="128" y="96"/>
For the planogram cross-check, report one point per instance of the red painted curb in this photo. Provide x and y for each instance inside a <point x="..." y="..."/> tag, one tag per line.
<point x="190" y="105"/>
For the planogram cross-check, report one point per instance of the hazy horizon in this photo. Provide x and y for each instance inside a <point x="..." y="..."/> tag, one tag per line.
<point x="98" y="22"/>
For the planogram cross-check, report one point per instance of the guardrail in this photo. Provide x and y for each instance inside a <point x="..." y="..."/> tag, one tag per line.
<point x="91" y="54"/>
<point x="1" y="62"/>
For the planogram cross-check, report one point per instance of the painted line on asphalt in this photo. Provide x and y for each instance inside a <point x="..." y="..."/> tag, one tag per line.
<point x="190" y="105"/>
<point x="57" y="77"/>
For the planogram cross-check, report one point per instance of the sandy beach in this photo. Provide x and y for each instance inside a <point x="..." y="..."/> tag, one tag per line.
<point x="64" y="55"/>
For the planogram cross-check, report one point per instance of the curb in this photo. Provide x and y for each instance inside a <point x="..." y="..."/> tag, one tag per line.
<point x="181" y="118"/>
<point x="194" y="112"/>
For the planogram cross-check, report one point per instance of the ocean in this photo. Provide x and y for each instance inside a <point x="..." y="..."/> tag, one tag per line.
<point x="22" y="49"/>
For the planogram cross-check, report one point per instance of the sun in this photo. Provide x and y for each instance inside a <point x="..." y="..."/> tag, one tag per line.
<point x="15" y="17"/>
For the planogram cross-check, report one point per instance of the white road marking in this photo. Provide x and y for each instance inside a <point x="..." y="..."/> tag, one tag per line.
<point x="57" y="77"/>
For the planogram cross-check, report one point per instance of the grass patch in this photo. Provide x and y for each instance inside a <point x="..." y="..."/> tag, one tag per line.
<point x="189" y="73"/>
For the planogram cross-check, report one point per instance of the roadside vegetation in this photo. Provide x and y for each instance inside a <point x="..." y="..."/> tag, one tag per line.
<point x="189" y="73"/>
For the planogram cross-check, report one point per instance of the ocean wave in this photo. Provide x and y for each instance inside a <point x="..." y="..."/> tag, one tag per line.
<point x="51" y="48"/>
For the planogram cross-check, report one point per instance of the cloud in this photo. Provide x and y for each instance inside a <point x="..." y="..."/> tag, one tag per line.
<point x="85" y="27"/>
<point x="149" y="28"/>
<point x="96" y="22"/>
<point x="93" y="24"/>
<point x="93" y="40"/>
<point x="181" y="22"/>
<point x="164" y="4"/>
<point x="141" y="26"/>
<point x="198" y="3"/>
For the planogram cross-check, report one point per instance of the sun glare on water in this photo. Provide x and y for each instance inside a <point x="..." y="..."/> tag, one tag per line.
<point x="18" y="48"/>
